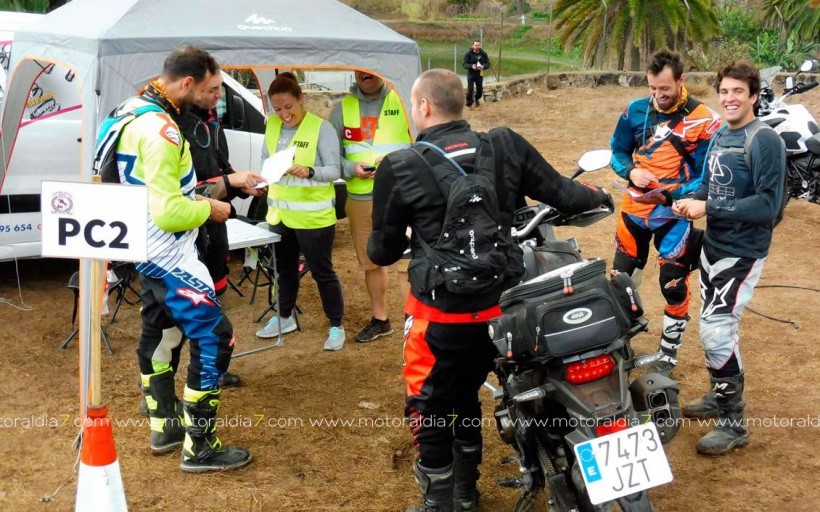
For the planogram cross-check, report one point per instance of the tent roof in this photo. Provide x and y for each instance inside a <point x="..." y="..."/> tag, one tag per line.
<point x="128" y="40"/>
<point x="140" y="26"/>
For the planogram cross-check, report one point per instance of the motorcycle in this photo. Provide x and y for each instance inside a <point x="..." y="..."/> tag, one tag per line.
<point x="579" y="428"/>
<point x="798" y="129"/>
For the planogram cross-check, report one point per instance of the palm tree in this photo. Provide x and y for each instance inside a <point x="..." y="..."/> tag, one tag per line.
<point x="633" y="28"/>
<point x="797" y="18"/>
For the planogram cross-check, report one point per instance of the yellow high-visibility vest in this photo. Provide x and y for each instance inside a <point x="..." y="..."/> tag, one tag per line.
<point x="299" y="203"/>
<point x="391" y="135"/>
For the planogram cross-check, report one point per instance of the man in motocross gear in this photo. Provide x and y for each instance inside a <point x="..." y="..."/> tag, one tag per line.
<point x="740" y="203"/>
<point x="177" y="291"/>
<point x="217" y="179"/>
<point x="448" y="352"/>
<point x="660" y="142"/>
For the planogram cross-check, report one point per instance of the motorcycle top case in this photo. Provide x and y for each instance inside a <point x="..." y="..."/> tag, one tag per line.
<point x="566" y="311"/>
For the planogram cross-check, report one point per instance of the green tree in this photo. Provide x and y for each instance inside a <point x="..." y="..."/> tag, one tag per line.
<point x="627" y="31"/>
<point x="796" y="19"/>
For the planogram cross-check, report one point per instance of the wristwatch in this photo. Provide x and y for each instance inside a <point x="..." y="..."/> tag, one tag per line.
<point x="311" y="172"/>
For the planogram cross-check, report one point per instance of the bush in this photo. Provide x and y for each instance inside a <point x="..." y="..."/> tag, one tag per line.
<point x="738" y="25"/>
<point x="375" y="6"/>
<point x="716" y="55"/>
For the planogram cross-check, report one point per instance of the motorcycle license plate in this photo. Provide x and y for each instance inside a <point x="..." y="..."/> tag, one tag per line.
<point x="623" y="463"/>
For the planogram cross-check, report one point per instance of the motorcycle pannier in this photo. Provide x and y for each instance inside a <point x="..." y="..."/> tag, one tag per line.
<point x="566" y="311"/>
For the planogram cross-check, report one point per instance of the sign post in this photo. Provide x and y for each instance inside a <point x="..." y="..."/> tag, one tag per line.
<point x="95" y="222"/>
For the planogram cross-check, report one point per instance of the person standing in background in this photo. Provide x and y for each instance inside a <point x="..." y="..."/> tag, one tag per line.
<point x="370" y="122"/>
<point x="475" y="62"/>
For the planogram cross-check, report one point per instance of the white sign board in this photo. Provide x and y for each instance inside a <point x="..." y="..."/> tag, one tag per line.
<point x="94" y="220"/>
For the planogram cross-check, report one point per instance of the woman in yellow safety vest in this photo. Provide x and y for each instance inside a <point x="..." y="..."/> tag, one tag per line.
<point x="301" y="207"/>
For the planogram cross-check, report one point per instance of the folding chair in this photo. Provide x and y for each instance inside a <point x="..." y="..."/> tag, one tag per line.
<point x="74" y="285"/>
<point x="124" y="274"/>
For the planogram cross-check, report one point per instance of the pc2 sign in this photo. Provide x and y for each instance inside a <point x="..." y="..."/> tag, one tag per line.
<point x="94" y="220"/>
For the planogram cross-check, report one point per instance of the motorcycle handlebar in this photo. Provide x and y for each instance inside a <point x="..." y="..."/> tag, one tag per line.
<point x="803" y="87"/>
<point x="558" y="219"/>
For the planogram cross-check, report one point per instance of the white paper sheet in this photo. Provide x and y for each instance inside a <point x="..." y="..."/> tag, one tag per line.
<point x="636" y="195"/>
<point x="275" y="166"/>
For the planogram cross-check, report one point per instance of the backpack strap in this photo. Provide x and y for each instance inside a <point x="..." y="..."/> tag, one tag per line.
<point x="690" y="105"/>
<point x="748" y="144"/>
<point x="113" y="126"/>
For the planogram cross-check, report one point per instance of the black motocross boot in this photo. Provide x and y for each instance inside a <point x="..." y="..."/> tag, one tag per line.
<point x="436" y="489"/>
<point x="167" y="431"/>
<point x="466" y="458"/>
<point x="731" y="431"/>
<point x="704" y="407"/>
<point x="203" y="451"/>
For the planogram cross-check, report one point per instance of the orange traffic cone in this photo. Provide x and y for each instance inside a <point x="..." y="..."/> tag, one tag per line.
<point x="99" y="486"/>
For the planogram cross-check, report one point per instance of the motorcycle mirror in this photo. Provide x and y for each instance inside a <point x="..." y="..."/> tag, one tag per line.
<point x="595" y="159"/>
<point x="807" y="66"/>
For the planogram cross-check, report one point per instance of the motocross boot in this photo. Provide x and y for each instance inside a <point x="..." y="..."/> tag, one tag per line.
<point x="203" y="451"/>
<point x="704" y="407"/>
<point x="466" y="458"/>
<point x="167" y="431"/>
<point x="731" y="431"/>
<point x="436" y="489"/>
<point x="673" y="328"/>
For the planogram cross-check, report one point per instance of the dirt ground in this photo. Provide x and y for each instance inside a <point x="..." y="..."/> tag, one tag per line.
<point x="291" y="396"/>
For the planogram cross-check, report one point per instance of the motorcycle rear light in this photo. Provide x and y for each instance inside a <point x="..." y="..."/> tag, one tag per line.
<point x="611" y="426"/>
<point x="590" y="370"/>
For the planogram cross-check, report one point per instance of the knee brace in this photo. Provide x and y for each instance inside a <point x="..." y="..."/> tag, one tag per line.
<point x="224" y="331"/>
<point x="674" y="280"/>
<point x="629" y="265"/>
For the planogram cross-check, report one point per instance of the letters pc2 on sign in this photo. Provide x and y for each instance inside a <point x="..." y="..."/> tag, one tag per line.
<point x="623" y="463"/>
<point x="94" y="220"/>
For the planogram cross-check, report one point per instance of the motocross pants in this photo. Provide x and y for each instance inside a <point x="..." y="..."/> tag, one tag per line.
<point x="445" y="366"/>
<point x="677" y="243"/>
<point x="184" y="298"/>
<point x="726" y="286"/>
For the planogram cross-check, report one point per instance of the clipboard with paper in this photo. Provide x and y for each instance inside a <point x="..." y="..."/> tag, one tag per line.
<point x="650" y="196"/>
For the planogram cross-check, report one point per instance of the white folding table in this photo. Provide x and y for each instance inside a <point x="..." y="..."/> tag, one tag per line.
<point x="242" y="235"/>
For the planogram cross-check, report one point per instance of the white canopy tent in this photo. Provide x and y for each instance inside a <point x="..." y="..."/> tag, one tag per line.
<point x="115" y="47"/>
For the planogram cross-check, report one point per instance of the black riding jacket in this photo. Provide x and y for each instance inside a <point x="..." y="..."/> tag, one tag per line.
<point x="406" y="194"/>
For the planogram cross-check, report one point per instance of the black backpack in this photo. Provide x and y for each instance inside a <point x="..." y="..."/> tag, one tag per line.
<point x="474" y="252"/>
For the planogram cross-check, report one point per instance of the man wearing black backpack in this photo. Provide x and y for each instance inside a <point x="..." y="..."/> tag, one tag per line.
<point x="740" y="198"/>
<point x="448" y="352"/>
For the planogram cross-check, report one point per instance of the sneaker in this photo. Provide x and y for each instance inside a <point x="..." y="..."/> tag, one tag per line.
<point x="335" y="339"/>
<point x="374" y="329"/>
<point x="271" y="329"/>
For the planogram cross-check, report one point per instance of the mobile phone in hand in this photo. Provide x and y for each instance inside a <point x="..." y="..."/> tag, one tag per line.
<point x="369" y="168"/>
